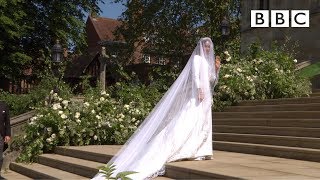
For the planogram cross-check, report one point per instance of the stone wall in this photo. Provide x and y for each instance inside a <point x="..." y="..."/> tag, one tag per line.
<point x="308" y="39"/>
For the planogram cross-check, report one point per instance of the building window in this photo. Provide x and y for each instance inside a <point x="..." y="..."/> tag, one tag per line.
<point x="161" y="60"/>
<point x="146" y="58"/>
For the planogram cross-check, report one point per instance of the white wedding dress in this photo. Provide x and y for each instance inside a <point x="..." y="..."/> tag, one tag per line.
<point x="180" y="125"/>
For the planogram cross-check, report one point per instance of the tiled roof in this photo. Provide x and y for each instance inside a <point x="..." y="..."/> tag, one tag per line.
<point x="105" y="27"/>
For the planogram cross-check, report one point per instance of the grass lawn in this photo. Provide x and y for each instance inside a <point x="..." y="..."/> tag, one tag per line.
<point x="310" y="71"/>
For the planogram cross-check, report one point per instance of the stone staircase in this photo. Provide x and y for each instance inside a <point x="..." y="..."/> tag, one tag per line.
<point x="288" y="128"/>
<point x="245" y="136"/>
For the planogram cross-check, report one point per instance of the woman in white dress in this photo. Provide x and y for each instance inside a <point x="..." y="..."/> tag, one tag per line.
<point x="180" y="125"/>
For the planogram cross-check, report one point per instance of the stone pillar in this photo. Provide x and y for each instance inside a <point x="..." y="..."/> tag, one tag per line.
<point x="103" y="59"/>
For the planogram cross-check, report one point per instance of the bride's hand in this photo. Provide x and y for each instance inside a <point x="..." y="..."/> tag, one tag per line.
<point x="200" y="94"/>
<point x="218" y="60"/>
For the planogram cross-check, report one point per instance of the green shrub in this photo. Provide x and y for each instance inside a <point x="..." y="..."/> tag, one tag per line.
<point x="259" y="75"/>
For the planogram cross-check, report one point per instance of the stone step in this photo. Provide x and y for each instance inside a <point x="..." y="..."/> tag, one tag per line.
<point x="263" y="130"/>
<point x="305" y="123"/>
<point x="281" y="107"/>
<point x="315" y="94"/>
<point x="93" y="155"/>
<point x="316" y="91"/>
<point x="72" y="165"/>
<point x="39" y="171"/>
<point x="9" y="174"/>
<point x="95" y="152"/>
<point x="269" y="150"/>
<point x="301" y="100"/>
<point x="229" y="165"/>
<point x="271" y="115"/>
<point x="303" y="142"/>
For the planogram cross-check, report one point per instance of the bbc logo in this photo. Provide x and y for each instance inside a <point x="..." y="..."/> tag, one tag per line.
<point x="280" y="18"/>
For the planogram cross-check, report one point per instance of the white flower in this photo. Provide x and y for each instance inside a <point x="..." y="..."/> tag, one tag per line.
<point x="103" y="93"/>
<point x="121" y="115"/>
<point x="224" y="87"/>
<point x="33" y="118"/>
<point x="227" y="76"/>
<point x="98" y="117"/>
<point x="107" y="95"/>
<point x="102" y="99"/>
<point x="239" y="70"/>
<point x="95" y="137"/>
<point x="55" y="95"/>
<point x="56" y="106"/>
<point x="65" y="102"/>
<point x="51" y="92"/>
<point x="53" y="136"/>
<point x="49" y="140"/>
<point x="86" y="104"/>
<point x="109" y="125"/>
<point x="78" y="121"/>
<point x="276" y="69"/>
<point x="60" y="112"/>
<point x="60" y="99"/>
<point x="93" y="111"/>
<point x="49" y="129"/>
<point x="126" y="106"/>
<point x="77" y="115"/>
<point x="226" y="53"/>
<point x="295" y="60"/>
<point x="133" y="119"/>
<point x="228" y="59"/>
<point x="121" y="126"/>
<point x="63" y="116"/>
<point x="281" y="71"/>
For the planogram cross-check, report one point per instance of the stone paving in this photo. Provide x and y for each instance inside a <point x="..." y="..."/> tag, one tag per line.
<point x="243" y="166"/>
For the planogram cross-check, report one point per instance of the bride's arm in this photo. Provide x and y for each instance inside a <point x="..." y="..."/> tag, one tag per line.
<point x="196" y="76"/>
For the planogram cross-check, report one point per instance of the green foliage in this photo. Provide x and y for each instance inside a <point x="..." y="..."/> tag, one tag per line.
<point x="29" y="30"/>
<point x="310" y="71"/>
<point x="172" y="28"/>
<point x="108" y="170"/>
<point x="19" y="104"/>
<point x="108" y="117"/>
<point x="259" y="75"/>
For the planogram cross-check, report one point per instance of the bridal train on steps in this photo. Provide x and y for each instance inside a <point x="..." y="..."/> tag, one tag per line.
<point x="179" y="126"/>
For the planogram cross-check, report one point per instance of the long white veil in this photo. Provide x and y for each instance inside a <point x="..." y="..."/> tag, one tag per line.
<point x="199" y="72"/>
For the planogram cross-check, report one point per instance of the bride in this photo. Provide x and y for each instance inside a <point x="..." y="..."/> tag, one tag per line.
<point x="179" y="126"/>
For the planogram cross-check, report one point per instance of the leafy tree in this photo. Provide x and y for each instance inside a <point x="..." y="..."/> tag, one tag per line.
<point x="30" y="28"/>
<point x="173" y="27"/>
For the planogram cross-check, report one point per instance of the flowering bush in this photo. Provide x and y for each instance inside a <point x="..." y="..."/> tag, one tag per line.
<point x="98" y="119"/>
<point x="259" y="75"/>
<point x="21" y="103"/>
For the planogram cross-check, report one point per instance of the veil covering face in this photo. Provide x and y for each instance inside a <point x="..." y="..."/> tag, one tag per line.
<point x="179" y="126"/>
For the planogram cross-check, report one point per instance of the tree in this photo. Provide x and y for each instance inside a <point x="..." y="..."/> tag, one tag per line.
<point x="175" y="26"/>
<point x="13" y="28"/>
<point x="31" y="27"/>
